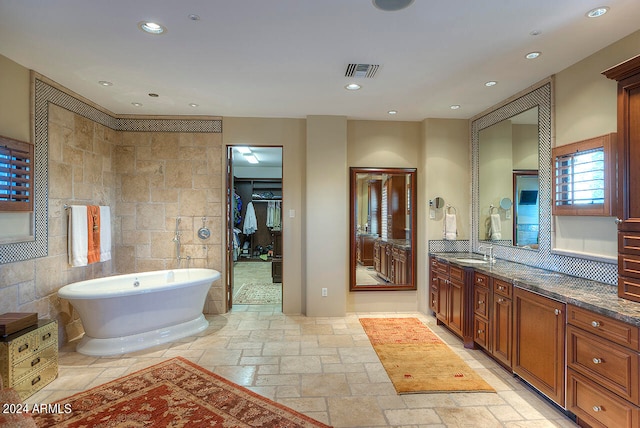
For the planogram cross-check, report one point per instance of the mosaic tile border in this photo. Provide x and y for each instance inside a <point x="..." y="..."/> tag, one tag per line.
<point x="45" y="94"/>
<point x="542" y="97"/>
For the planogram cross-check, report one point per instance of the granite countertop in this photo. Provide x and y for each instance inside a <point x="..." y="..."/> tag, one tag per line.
<point x="592" y="295"/>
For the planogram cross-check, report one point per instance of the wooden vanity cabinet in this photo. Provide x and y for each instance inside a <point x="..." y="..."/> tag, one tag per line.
<point x="447" y="285"/>
<point x="450" y="294"/>
<point x="493" y="316"/>
<point x="627" y="74"/>
<point x="603" y="363"/>
<point x="539" y="343"/>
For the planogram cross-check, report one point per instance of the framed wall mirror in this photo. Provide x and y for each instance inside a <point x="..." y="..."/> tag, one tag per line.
<point x="382" y="229"/>
<point x="511" y="159"/>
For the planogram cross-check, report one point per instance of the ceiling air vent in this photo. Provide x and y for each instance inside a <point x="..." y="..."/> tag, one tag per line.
<point x="361" y="70"/>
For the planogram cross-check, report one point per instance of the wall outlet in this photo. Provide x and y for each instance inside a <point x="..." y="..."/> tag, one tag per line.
<point x="324" y="292"/>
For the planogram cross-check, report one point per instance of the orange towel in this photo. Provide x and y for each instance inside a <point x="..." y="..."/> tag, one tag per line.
<point x="93" y="224"/>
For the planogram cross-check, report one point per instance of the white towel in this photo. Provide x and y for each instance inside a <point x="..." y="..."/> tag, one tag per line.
<point x="450" y="227"/>
<point x="78" y="240"/>
<point x="105" y="233"/>
<point x="496" y="227"/>
<point x="250" y="222"/>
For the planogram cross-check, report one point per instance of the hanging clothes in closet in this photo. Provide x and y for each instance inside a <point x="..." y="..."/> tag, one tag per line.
<point x="273" y="215"/>
<point x="250" y="221"/>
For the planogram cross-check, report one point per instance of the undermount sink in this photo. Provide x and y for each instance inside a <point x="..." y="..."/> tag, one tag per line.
<point x="463" y="260"/>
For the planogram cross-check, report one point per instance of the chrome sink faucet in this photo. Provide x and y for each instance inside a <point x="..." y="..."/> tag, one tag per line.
<point x="488" y="248"/>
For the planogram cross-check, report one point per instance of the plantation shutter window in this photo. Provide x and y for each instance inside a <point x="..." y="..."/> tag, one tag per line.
<point x="16" y="175"/>
<point x="583" y="177"/>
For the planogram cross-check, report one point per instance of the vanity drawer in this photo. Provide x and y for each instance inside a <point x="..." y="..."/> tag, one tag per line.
<point x="481" y="301"/>
<point x="605" y="327"/>
<point x="456" y="273"/>
<point x="480" y="279"/>
<point x="597" y="406"/>
<point x="629" y="243"/>
<point x="629" y="265"/>
<point x="629" y="288"/>
<point x="610" y="365"/>
<point x="502" y="287"/>
<point x="439" y="266"/>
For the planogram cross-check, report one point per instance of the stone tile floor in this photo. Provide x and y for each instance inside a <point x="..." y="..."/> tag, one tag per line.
<point x="323" y="367"/>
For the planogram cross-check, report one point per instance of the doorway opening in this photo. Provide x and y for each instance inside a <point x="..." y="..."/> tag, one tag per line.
<point x="254" y="218"/>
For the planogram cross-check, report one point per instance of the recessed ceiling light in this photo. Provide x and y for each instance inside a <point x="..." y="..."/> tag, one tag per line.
<point x="533" y="55"/>
<point x="393" y="111"/>
<point x="535" y="33"/>
<point x="491" y="83"/>
<point x="352" y="87"/>
<point x="455" y="107"/>
<point x="152" y="95"/>
<point x="105" y="83"/>
<point x="151" y="27"/>
<point x="392" y="5"/>
<point x="137" y="104"/>
<point x="194" y="17"/>
<point x="193" y="105"/>
<point x="598" y="11"/>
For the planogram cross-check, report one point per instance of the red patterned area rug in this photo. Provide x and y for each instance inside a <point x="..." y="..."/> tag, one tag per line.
<point x="175" y="393"/>
<point x="417" y="361"/>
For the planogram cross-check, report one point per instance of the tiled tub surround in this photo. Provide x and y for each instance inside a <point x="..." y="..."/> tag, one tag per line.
<point x="595" y="296"/>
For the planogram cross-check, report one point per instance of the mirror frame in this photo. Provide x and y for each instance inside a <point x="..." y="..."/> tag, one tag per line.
<point x="537" y="96"/>
<point x="412" y="212"/>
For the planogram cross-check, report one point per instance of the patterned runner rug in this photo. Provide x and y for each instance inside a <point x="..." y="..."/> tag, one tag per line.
<point x="417" y="361"/>
<point x="258" y="294"/>
<point x="174" y="393"/>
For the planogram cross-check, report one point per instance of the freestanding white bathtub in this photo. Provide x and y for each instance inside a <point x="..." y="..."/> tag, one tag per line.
<point x="126" y="313"/>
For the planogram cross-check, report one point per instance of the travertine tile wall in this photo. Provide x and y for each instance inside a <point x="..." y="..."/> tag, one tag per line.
<point x="148" y="179"/>
<point x="160" y="177"/>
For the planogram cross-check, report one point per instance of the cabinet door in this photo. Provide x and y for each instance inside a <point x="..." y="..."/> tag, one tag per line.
<point x="629" y="152"/>
<point x="442" y="298"/>
<point x="456" y="308"/>
<point x="539" y="337"/>
<point x="433" y="293"/>
<point x="501" y="325"/>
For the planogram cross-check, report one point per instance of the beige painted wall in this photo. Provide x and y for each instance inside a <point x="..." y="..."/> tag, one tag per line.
<point x="291" y="135"/>
<point x="326" y="216"/>
<point x="445" y="161"/>
<point x="586" y="107"/>
<point x="383" y="144"/>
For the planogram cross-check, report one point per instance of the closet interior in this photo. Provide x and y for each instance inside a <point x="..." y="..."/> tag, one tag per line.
<point x="257" y="214"/>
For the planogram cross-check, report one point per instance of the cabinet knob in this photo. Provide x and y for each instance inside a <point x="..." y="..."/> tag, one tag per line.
<point x="500" y="300"/>
<point x="597" y="408"/>
<point x="480" y="331"/>
<point x="557" y="311"/>
<point x="595" y="324"/>
<point x="618" y="220"/>
<point x="597" y="360"/>
<point x="480" y="302"/>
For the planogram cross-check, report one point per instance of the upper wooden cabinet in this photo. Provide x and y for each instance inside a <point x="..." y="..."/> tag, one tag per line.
<point x="627" y="75"/>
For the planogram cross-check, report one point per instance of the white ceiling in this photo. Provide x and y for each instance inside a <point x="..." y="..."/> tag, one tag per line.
<point x="287" y="58"/>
